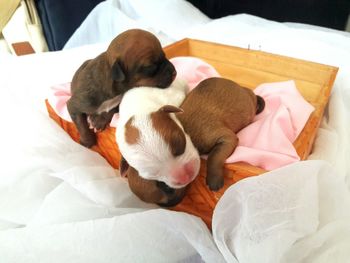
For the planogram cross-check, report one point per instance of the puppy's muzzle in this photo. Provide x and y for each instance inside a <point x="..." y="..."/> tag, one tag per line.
<point x="168" y="73"/>
<point x="174" y="196"/>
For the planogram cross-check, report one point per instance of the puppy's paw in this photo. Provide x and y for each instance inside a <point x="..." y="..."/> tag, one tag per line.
<point x="215" y="182"/>
<point x="98" y="122"/>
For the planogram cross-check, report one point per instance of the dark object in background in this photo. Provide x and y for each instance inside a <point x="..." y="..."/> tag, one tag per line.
<point x="327" y="13"/>
<point x="60" y="18"/>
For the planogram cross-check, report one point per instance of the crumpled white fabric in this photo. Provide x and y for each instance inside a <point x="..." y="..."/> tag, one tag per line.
<point x="299" y="213"/>
<point x="150" y="236"/>
<point x="61" y="202"/>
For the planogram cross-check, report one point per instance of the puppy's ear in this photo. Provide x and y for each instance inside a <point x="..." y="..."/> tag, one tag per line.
<point x="123" y="167"/>
<point x="170" y="109"/>
<point x="117" y="72"/>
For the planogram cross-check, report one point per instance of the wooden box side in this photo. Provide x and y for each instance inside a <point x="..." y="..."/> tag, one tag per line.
<point x="251" y="68"/>
<point x="177" y="49"/>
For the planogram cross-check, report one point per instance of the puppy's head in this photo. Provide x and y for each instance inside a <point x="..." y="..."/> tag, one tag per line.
<point x="151" y="191"/>
<point x="158" y="148"/>
<point x="137" y="59"/>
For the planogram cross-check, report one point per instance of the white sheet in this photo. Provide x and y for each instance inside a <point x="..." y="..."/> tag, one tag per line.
<point x="293" y="214"/>
<point x="61" y="202"/>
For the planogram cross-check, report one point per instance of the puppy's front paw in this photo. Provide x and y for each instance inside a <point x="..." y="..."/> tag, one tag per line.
<point x="215" y="182"/>
<point x="99" y="122"/>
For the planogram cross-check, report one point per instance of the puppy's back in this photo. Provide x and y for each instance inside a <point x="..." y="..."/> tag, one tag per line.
<point x="220" y="99"/>
<point x="215" y="104"/>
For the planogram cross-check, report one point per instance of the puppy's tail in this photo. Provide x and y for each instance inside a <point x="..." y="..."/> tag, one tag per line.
<point x="260" y="104"/>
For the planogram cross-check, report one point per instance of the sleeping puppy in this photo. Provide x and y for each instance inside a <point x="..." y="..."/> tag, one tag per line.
<point x="152" y="140"/>
<point x="212" y="115"/>
<point x="134" y="58"/>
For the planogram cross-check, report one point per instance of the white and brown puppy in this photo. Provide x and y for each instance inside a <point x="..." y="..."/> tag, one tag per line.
<point x="134" y="58"/>
<point x="212" y="114"/>
<point x="152" y="140"/>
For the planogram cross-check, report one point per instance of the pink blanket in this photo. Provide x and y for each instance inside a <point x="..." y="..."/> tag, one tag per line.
<point x="267" y="142"/>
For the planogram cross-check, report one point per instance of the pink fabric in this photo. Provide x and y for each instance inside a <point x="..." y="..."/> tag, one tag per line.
<point x="58" y="98"/>
<point x="267" y="142"/>
<point x="193" y="70"/>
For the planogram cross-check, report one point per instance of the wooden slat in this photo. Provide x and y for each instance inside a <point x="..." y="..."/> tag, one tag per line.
<point x="251" y="78"/>
<point x="263" y="61"/>
<point x="180" y="48"/>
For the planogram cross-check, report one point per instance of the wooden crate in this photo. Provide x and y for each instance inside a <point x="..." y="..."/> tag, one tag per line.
<point x="249" y="68"/>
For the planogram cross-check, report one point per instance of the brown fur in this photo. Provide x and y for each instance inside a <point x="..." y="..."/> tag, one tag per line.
<point x="151" y="191"/>
<point x="213" y="113"/>
<point x="172" y="134"/>
<point x="134" y="58"/>
<point x="132" y="134"/>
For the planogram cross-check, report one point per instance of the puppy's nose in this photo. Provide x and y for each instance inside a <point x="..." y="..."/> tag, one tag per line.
<point x="174" y="74"/>
<point x="190" y="168"/>
<point x="184" y="175"/>
<point x="182" y="178"/>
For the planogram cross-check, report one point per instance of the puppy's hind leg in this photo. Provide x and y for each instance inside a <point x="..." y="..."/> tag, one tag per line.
<point x="222" y="149"/>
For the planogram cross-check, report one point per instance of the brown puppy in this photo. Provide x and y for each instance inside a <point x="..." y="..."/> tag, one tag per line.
<point x="151" y="191"/>
<point x="212" y="115"/>
<point x="134" y="58"/>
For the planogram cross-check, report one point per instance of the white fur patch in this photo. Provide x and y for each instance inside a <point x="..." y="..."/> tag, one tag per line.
<point x="151" y="156"/>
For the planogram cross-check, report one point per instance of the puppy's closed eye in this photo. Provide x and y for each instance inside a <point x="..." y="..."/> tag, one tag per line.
<point x="149" y="70"/>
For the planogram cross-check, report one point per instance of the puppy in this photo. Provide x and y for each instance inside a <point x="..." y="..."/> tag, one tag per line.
<point x="152" y="140"/>
<point x="151" y="191"/>
<point x="213" y="113"/>
<point x="134" y="58"/>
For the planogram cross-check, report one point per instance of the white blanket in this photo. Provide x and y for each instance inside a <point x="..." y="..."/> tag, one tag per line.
<point x="60" y="202"/>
